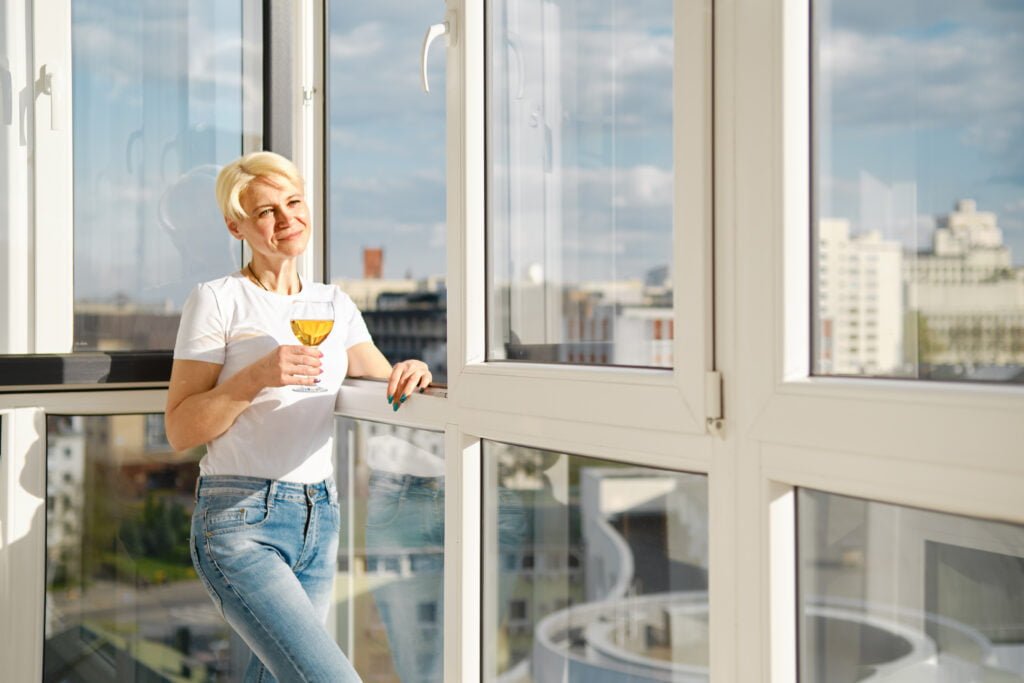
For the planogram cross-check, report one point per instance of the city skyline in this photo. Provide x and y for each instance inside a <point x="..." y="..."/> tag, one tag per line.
<point x="902" y="98"/>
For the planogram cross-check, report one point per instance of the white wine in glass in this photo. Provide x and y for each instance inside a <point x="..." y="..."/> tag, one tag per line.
<point x="312" y="321"/>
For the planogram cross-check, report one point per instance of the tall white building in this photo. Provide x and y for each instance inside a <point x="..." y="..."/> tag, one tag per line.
<point x="860" y="302"/>
<point x="65" y="473"/>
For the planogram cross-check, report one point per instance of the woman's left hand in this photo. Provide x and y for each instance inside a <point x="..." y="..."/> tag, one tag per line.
<point x="406" y="378"/>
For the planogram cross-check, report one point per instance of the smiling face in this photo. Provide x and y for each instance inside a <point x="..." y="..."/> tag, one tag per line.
<point x="277" y="226"/>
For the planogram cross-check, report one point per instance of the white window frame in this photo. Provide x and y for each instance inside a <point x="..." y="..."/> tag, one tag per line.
<point x="646" y="417"/>
<point x="944" y="447"/>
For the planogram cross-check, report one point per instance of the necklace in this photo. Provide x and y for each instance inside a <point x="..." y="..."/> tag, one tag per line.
<point x="256" y="277"/>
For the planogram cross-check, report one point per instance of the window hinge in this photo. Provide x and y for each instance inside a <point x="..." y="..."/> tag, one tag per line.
<point x="713" y="402"/>
<point x="308" y="94"/>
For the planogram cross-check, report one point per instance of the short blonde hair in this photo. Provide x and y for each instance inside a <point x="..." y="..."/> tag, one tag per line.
<point x="235" y="178"/>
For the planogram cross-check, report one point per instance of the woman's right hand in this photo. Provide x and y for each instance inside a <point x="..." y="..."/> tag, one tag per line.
<point x="289" y="364"/>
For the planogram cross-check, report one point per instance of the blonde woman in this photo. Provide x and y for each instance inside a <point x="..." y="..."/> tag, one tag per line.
<point x="265" y="527"/>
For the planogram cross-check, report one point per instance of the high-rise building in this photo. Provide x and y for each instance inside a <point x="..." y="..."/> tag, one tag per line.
<point x="860" y="302"/>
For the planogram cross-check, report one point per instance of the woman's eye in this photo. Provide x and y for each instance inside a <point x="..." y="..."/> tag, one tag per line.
<point x="265" y="212"/>
<point x="294" y="202"/>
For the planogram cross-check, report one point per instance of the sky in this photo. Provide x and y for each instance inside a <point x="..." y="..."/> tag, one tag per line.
<point x="579" y="146"/>
<point x="918" y="94"/>
<point x="923" y="95"/>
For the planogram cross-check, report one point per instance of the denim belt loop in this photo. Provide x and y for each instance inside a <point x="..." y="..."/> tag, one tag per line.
<point x="332" y="492"/>
<point x="271" y="494"/>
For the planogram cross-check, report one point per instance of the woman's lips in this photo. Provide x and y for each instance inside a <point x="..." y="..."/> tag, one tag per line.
<point x="286" y="235"/>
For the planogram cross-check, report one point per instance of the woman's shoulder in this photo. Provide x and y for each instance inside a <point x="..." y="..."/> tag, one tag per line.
<point x="226" y="287"/>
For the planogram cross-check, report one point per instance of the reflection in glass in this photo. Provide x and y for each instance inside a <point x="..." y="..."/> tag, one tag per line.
<point x="898" y="594"/>
<point x="580" y="181"/>
<point x="390" y="582"/>
<point x="386" y="175"/>
<point x="122" y="600"/>
<point x="917" y="186"/>
<point x="593" y="571"/>
<point x="164" y="92"/>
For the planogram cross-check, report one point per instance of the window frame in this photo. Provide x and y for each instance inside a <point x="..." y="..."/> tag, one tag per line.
<point x="642" y="416"/>
<point x="939" y="446"/>
<point x="943" y="447"/>
<point x="40" y="358"/>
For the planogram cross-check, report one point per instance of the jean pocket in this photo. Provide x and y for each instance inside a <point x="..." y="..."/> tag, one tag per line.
<point x="247" y="513"/>
<point x="383" y="504"/>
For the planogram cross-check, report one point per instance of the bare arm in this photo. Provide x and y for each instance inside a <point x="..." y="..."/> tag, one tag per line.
<point x="366" y="360"/>
<point x="198" y="410"/>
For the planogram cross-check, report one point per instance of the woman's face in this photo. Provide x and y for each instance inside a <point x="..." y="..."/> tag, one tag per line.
<point x="278" y="222"/>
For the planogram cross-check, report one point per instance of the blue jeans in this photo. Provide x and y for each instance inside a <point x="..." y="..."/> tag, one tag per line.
<point x="405" y="536"/>
<point x="267" y="551"/>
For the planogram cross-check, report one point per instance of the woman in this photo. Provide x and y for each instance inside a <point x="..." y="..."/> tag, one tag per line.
<point x="265" y="527"/>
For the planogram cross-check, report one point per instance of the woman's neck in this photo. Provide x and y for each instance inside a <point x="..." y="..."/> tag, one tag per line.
<point x="278" y="279"/>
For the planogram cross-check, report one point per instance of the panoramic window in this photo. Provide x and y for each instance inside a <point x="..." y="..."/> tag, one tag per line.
<point x="163" y="94"/>
<point x="580" y="182"/>
<point x="386" y="175"/>
<point x="918" y="187"/>
<point x="390" y="581"/>
<point x="901" y="594"/>
<point x="593" y="570"/>
<point x="122" y="599"/>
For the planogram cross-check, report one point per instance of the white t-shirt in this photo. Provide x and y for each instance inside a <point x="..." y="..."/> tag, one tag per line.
<point x="283" y="434"/>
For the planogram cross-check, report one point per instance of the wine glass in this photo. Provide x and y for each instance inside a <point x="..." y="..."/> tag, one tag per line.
<point x="311" y="322"/>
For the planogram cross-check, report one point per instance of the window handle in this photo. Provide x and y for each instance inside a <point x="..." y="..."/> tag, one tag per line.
<point x="53" y="85"/>
<point x="447" y="29"/>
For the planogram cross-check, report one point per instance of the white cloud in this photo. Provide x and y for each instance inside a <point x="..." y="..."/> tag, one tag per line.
<point x="360" y="42"/>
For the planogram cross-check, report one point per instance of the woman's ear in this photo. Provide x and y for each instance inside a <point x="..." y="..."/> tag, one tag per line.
<point x="233" y="228"/>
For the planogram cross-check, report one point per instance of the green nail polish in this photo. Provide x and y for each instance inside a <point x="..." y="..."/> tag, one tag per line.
<point x="403" y="398"/>
<point x="395" y="405"/>
<point x="389" y="398"/>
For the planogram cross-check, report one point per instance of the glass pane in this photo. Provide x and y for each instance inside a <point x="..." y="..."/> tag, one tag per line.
<point x="891" y="593"/>
<point x="918" y="142"/>
<point x="593" y="571"/>
<point x="163" y="93"/>
<point x="390" y="582"/>
<point x="122" y="600"/>
<point x="386" y="175"/>
<point x="580" y="182"/>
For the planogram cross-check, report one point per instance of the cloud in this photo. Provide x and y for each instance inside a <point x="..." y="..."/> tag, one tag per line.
<point x="360" y="42"/>
<point x="885" y="16"/>
<point x="945" y="84"/>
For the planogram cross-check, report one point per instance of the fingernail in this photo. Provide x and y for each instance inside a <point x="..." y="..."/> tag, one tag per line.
<point x="389" y="398"/>
<point x="316" y="380"/>
<point x="422" y="390"/>
<point x="394" y="406"/>
<point x="403" y="398"/>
